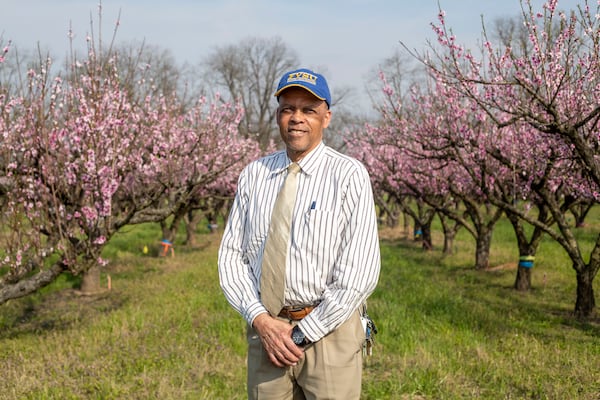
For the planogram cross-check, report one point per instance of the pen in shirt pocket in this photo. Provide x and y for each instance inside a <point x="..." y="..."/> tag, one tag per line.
<point x="313" y="205"/>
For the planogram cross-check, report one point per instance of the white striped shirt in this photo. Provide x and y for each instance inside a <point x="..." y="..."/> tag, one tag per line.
<point x="334" y="247"/>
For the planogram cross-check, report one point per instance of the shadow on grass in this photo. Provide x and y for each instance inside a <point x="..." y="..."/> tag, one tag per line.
<point x="61" y="306"/>
<point x="55" y="310"/>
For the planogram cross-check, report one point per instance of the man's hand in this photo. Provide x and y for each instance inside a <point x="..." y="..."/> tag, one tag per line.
<point x="276" y="338"/>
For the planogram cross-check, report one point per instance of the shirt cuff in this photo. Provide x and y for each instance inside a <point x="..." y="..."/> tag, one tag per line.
<point x="253" y="311"/>
<point x="312" y="328"/>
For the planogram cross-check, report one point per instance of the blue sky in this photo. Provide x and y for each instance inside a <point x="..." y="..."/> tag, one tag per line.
<point x="343" y="38"/>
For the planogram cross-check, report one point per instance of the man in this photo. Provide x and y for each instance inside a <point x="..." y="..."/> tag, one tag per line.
<point x="309" y="344"/>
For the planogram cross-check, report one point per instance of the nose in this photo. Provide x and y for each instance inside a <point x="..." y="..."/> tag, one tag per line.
<point x="296" y="116"/>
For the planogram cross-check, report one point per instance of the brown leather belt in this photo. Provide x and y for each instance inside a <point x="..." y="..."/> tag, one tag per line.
<point x="295" y="313"/>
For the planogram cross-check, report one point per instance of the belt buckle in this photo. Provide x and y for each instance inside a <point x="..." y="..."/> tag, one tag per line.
<point x="289" y="311"/>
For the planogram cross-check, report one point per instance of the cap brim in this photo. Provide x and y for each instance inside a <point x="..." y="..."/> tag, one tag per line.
<point x="277" y="93"/>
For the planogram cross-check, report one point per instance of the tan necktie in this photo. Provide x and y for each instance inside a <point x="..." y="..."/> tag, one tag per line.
<point x="272" y="278"/>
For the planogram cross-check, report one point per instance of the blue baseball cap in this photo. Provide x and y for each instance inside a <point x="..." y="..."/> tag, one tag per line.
<point x="305" y="79"/>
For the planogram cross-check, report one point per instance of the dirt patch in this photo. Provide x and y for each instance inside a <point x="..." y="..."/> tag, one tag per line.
<point x="395" y="233"/>
<point x="503" y="267"/>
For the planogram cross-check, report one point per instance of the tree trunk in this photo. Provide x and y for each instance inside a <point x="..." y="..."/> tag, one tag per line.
<point x="426" y="236"/>
<point x="482" y="250"/>
<point x="449" y="234"/>
<point x="528" y="245"/>
<point x="580" y="212"/>
<point x="585" y="303"/>
<point x="169" y="230"/>
<point x="191" y="225"/>
<point x="31" y="284"/>
<point x="392" y="220"/>
<point x="449" y="243"/>
<point x="484" y="220"/>
<point x="164" y="227"/>
<point x="386" y="212"/>
<point x="90" y="282"/>
<point x="523" y="279"/>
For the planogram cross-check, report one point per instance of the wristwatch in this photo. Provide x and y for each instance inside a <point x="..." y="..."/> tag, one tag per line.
<point x="298" y="337"/>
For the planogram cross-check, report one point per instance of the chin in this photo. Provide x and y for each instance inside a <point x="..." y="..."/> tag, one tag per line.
<point x="296" y="147"/>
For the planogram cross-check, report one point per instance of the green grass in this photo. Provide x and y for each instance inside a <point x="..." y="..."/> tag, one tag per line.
<point x="165" y="330"/>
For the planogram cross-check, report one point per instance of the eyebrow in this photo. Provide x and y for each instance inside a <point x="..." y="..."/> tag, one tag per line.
<point x="316" y="104"/>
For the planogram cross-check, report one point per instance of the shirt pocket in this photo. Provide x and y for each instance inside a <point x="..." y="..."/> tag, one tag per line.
<point x="319" y="234"/>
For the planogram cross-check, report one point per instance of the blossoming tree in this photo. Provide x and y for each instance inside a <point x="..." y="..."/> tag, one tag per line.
<point x="80" y="160"/>
<point x="546" y="93"/>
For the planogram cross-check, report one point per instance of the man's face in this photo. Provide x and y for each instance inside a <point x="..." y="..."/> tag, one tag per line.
<point x="301" y="118"/>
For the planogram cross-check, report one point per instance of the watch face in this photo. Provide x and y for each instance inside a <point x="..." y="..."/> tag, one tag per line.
<point x="297" y="336"/>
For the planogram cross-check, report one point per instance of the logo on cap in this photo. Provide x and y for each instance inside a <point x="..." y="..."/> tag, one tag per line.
<point x="302" y="76"/>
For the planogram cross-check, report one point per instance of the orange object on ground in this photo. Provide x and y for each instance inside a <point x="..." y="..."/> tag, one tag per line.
<point x="166" y="246"/>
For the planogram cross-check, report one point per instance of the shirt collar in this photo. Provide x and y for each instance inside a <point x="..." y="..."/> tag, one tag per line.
<point x="310" y="163"/>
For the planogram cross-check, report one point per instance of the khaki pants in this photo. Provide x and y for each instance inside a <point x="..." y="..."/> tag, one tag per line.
<point x="331" y="368"/>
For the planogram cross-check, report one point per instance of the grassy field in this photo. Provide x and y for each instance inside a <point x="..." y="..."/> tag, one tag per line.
<point x="165" y="331"/>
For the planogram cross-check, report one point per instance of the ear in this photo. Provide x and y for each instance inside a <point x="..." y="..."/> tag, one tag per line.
<point x="326" y="118"/>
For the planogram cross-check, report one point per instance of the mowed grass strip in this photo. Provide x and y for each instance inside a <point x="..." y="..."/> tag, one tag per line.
<point x="165" y="331"/>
